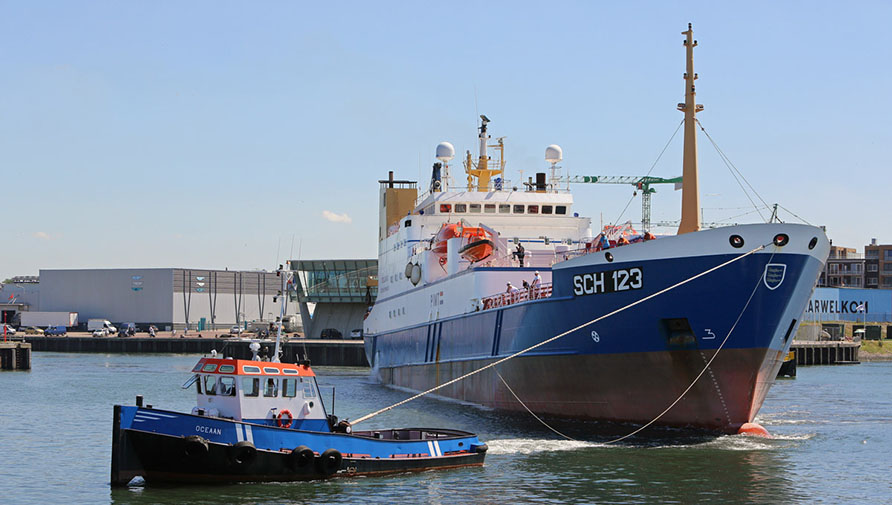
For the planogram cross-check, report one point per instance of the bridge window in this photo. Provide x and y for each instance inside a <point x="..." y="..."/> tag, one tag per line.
<point x="461" y="207"/>
<point x="210" y="367"/>
<point x="533" y="209"/>
<point x="474" y="208"/>
<point x="489" y="208"/>
<point x="227" y="386"/>
<point x="289" y="388"/>
<point x="270" y="370"/>
<point x="560" y="209"/>
<point x="227" y="369"/>
<point x="504" y="208"/>
<point x="209" y="385"/>
<point x="518" y="209"/>
<point x="250" y="386"/>
<point x="309" y="390"/>
<point x="445" y="207"/>
<point x="271" y="387"/>
<point x="251" y="369"/>
<point x="546" y="209"/>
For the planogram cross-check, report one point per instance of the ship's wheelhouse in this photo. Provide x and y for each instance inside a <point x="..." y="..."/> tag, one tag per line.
<point x="281" y="394"/>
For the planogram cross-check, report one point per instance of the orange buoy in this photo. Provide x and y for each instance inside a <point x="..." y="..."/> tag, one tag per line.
<point x="753" y="429"/>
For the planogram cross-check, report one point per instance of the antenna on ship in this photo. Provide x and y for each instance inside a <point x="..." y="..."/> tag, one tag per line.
<point x="481" y="170"/>
<point x="690" y="190"/>
<point x="554" y="154"/>
<point x="283" y="275"/>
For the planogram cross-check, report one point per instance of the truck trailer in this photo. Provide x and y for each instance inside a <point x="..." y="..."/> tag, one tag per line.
<point x="47" y="319"/>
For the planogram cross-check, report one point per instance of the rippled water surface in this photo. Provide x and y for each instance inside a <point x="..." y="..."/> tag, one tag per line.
<point x="832" y="427"/>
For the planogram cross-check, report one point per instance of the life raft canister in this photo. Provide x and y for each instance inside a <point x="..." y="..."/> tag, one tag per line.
<point x="282" y="415"/>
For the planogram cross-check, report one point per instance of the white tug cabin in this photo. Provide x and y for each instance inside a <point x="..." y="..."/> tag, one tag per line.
<point x="260" y="392"/>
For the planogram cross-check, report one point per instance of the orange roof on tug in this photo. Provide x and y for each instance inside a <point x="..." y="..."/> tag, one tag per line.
<point x="227" y="366"/>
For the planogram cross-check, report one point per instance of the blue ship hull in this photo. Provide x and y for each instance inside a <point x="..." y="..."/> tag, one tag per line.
<point x="628" y="367"/>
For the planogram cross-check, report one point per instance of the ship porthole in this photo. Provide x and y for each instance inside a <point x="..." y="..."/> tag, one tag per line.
<point x="781" y="239"/>
<point x="813" y="243"/>
<point x="609" y="257"/>
<point x="736" y="241"/>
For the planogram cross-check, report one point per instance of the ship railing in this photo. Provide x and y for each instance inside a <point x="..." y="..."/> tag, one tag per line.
<point x="543" y="290"/>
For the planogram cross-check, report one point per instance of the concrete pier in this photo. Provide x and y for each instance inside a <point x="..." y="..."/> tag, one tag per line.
<point x="319" y="352"/>
<point x="826" y="352"/>
<point x="15" y="356"/>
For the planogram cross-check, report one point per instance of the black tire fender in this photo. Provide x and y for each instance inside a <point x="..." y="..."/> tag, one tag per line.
<point x="196" y="446"/>
<point x="243" y="453"/>
<point x="329" y="462"/>
<point x="300" y="457"/>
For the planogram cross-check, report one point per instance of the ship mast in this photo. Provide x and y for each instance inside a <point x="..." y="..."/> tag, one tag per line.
<point x="690" y="190"/>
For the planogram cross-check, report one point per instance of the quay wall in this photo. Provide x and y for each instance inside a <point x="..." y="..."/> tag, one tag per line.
<point x="319" y="352"/>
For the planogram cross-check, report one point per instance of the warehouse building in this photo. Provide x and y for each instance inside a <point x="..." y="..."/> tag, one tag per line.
<point x="168" y="298"/>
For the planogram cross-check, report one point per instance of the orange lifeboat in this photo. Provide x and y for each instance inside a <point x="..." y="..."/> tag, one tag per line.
<point x="448" y="231"/>
<point x="477" y="243"/>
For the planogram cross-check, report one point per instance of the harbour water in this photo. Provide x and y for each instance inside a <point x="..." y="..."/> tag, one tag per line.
<point x="832" y="428"/>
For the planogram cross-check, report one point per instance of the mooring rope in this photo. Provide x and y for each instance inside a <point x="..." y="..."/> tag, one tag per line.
<point x="560" y="335"/>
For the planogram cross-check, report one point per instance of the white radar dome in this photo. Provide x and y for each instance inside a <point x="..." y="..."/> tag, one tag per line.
<point x="445" y="151"/>
<point x="554" y="153"/>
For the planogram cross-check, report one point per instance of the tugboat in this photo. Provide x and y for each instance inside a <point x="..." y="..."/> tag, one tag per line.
<point x="263" y="420"/>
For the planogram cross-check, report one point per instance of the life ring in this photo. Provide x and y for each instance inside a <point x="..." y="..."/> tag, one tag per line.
<point x="300" y="457"/>
<point x="243" y="453"/>
<point x="284" y="424"/>
<point x="329" y="462"/>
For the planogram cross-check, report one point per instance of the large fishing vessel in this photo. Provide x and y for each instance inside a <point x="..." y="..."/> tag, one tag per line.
<point x="474" y="273"/>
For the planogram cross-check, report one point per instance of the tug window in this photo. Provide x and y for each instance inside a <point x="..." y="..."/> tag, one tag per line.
<point x="518" y="209"/>
<point x="560" y="209"/>
<point x="474" y="208"/>
<point x="250" y="386"/>
<point x="533" y="209"/>
<point x="461" y="207"/>
<point x="227" y="386"/>
<point x="445" y="207"/>
<point x="504" y="208"/>
<point x="209" y="382"/>
<point x="546" y="209"/>
<point x="489" y="208"/>
<point x="289" y="388"/>
<point x="271" y="387"/>
<point x="309" y="390"/>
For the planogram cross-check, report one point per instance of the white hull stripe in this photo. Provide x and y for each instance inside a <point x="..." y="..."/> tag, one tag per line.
<point x="434" y="448"/>
<point x="145" y="416"/>
<point x="243" y="433"/>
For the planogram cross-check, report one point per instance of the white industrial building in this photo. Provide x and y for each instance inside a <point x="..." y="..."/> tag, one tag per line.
<point x="169" y="298"/>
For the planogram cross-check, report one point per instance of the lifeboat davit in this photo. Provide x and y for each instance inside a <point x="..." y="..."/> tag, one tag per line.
<point x="477" y="243"/>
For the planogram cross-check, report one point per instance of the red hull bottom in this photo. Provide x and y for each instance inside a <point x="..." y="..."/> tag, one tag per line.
<point x="627" y="388"/>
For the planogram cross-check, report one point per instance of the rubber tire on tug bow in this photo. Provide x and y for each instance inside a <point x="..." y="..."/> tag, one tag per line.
<point x="196" y="446"/>
<point x="300" y="457"/>
<point x="329" y="462"/>
<point x="243" y="453"/>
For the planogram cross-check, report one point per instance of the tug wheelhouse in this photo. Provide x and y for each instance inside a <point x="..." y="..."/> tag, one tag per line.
<point x="285" y="395"/>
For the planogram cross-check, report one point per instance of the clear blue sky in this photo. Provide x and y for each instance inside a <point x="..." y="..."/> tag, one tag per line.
<point x="208" y="134"/>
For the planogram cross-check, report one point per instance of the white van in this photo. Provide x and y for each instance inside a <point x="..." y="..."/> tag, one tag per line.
<point x="101" y="324"/>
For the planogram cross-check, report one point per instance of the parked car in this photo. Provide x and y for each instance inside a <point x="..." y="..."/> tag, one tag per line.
<point x="102" y="332"/>
<point x="127" y="330"/>
<point x="9" y="329"/>
<point x="56" y="330"/>
<point x="331" y="334"/>
<point x="33" y="330"/>
<point x="236" y="330"/>
<point x="356" y="334"/>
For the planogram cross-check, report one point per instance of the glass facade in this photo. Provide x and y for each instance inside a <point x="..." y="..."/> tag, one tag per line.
<point x="346" y="281"/>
